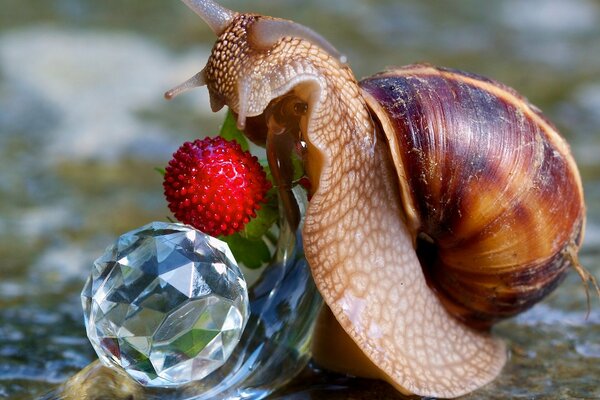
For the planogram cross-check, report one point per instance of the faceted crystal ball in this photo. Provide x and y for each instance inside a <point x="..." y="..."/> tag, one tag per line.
<point x="167" y="303"/>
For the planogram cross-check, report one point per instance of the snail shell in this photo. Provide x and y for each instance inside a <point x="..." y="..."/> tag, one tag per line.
<point x="489" y="188"/>
<point x="441" y="201"/>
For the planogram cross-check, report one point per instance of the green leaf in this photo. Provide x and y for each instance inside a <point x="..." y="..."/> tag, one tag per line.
<point x="265" y="218"/>
<point x="298" y="166"/>
<point x="252" y="253"/>
<point x="161" y="171"/>
<point x="297" y="163"/>
<point x="265" y="165"/>
<point x="229" y="131"/>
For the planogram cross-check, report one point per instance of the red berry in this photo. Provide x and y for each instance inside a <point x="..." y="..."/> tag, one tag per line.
<point x="215" y="186"/>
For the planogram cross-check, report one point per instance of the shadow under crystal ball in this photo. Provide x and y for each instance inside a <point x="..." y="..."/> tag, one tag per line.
<point x="167" y="303"/>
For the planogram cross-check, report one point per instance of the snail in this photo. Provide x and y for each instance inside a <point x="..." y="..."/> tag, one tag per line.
<point x="442" y="201"/>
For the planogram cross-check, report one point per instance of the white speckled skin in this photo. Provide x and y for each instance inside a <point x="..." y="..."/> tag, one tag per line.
<point x="360" y="252"/>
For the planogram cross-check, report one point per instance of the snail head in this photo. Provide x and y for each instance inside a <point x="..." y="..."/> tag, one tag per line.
<point x="250" y="63"/>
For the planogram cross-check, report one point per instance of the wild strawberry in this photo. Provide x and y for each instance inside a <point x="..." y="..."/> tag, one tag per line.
<point x="215" y="186"/>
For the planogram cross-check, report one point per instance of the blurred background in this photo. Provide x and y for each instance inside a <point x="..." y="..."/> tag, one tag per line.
<point x="83" y="124"/>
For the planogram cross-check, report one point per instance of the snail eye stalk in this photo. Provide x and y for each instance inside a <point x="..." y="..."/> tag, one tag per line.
<point x="195" y="81"/>
<point x="216" y="16"/>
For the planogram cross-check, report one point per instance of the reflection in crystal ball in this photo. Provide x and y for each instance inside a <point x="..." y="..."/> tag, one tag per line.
<point x="167" y="303"/>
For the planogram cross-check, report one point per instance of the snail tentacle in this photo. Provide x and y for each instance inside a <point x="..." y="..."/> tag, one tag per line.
<point x="242" y="106"/>
<point x="195" y="81"/>
<point x="216" y="16"/>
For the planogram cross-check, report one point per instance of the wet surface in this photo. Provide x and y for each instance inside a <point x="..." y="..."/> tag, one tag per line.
<point x="83" y="124"/>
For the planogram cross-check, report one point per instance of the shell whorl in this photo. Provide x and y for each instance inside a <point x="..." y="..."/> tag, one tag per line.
<point x="486" y="181"/>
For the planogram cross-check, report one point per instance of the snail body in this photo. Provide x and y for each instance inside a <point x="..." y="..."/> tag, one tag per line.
<point x="441" y="201"/>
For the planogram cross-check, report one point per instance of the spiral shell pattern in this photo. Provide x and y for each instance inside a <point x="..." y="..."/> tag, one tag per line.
<point x="489" y="188"/>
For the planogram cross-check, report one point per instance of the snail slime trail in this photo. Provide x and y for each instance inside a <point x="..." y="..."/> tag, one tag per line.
<point x="465" y="169"/>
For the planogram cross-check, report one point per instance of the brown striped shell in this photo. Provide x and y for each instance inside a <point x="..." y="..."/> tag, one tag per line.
<point x="490" y="190"/>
